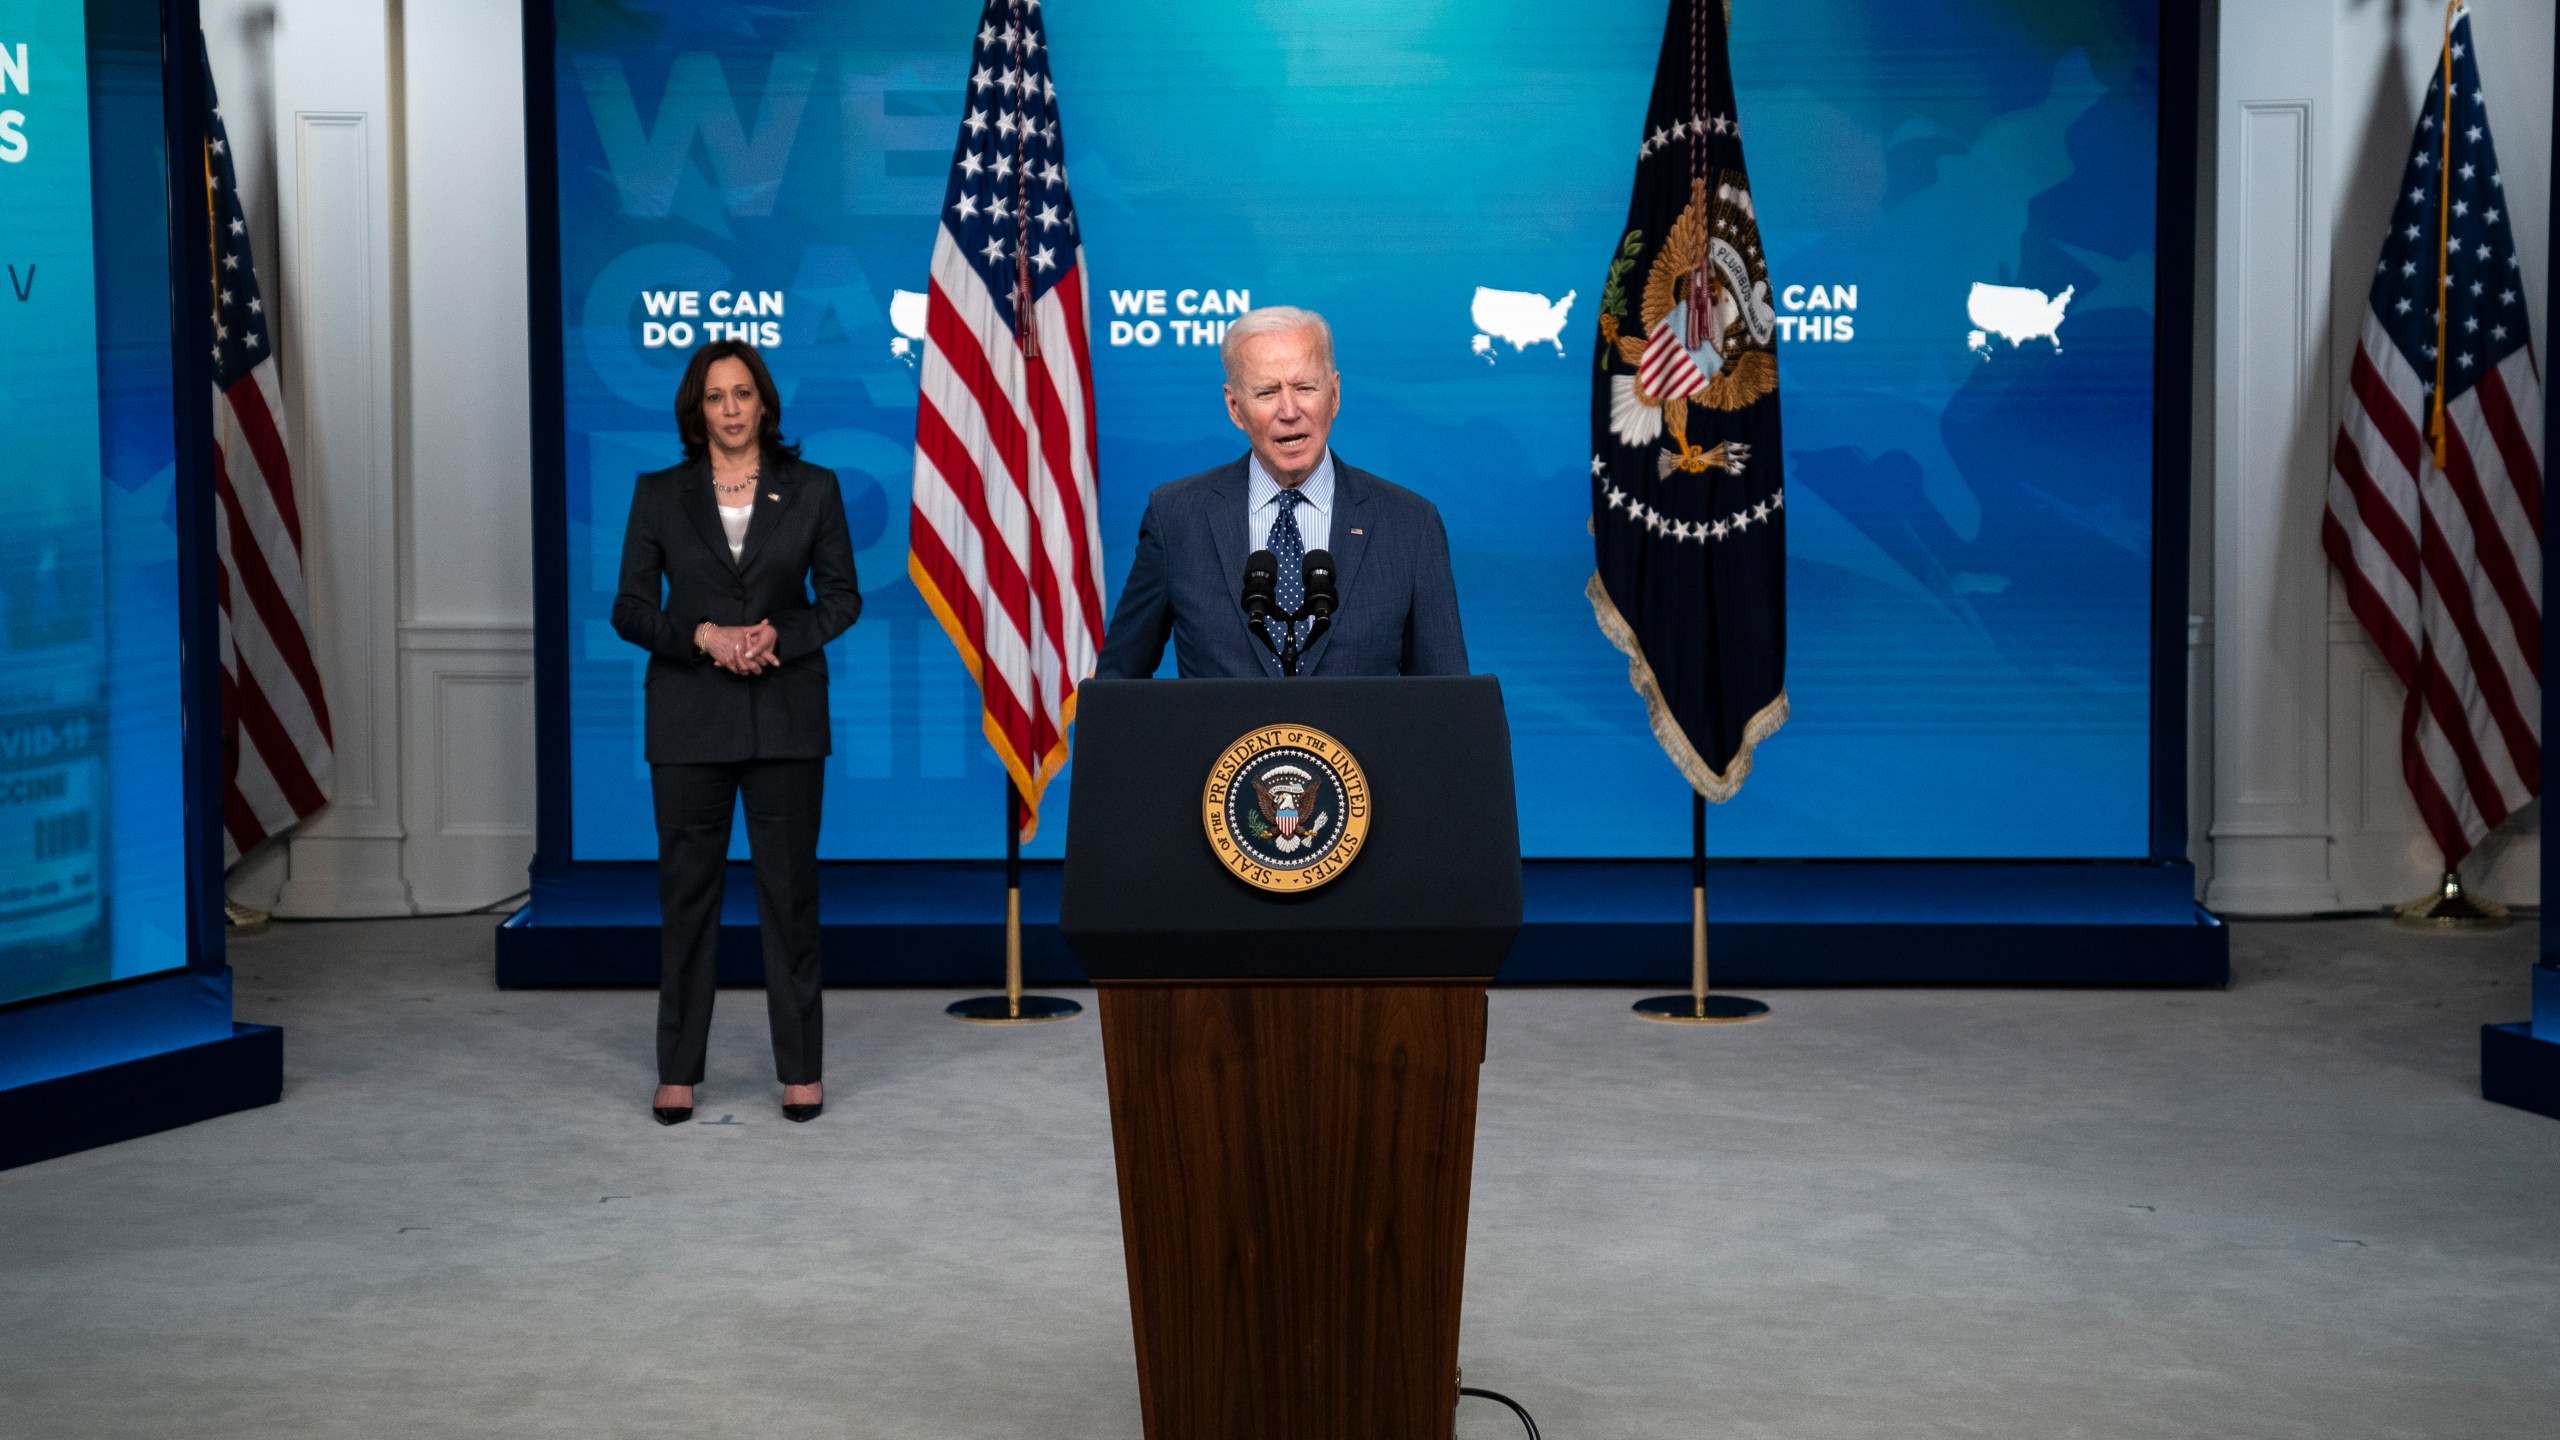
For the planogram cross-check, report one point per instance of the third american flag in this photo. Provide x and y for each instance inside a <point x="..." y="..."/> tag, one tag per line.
<point x="278" y="755"/>
<point x="1005" y="543"/>
<point x="2435" y="489"/>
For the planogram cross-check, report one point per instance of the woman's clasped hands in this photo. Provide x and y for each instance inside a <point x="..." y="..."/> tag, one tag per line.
<point x="738" y="649"/>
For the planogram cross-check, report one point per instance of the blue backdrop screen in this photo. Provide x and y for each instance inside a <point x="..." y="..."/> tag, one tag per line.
<point x="1958" y="199"/>
<point x="92" y="852"/>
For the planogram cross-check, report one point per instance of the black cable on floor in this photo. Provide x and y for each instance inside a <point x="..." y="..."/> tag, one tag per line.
<point x="1516" y="1408"/>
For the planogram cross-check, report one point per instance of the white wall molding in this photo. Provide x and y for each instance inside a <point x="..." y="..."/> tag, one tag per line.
<point x="498" y="636"/>
<point x="469" y="775"/>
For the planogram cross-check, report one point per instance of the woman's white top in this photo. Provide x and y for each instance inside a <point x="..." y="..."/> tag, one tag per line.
<point x="733" y="523"/>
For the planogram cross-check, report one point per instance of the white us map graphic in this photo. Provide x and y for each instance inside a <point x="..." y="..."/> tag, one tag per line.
<point x="1522" y="317"/>
<point x="906" y="316"/>
<point x="2016" y="314"/>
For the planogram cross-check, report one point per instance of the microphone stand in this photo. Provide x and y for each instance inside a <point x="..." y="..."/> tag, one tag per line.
<point x="1261" y="606"/>
<point x="1288" y="651"/>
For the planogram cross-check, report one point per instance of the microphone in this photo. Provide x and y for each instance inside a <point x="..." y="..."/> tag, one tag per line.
<point x="1261" y="584"/>
<point x="1321" y="596"/>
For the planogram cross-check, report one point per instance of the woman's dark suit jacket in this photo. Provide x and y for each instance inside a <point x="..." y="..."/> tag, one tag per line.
<point x="796" y="544"/>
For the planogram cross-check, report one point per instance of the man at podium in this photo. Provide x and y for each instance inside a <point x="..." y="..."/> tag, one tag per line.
<point x="1288" y="520"/>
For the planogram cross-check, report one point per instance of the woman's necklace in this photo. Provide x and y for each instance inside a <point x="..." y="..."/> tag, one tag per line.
<point x="739" y="487"/>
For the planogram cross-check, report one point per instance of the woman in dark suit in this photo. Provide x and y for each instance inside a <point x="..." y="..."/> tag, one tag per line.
<point x="736" y="571"/>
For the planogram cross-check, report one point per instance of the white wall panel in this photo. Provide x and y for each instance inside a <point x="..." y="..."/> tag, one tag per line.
<point x="469" y="493"/>
<point x="335" y="219"/>
<point x="484" y="777"/>
<point x="2270" y="817"/>
<point x="471" y="776"/>
<point x="2272" y="748"/>
<point x="466" y="479"/>
<point x="340" y="412"/>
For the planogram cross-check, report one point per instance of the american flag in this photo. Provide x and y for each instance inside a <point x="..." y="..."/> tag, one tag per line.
<point x="1005" y="542"/>
<point x="277" y="752"/>
<point x="2435" y="492"/>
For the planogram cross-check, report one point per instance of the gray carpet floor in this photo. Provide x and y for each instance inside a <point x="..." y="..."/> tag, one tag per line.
<point x="2277" y="1211"/>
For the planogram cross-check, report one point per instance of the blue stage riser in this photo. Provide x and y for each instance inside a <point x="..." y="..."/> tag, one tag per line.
<point x="113" y="1024"/>
<point x="142" y="1096"/>
<point x="1587" y="923"/>
<point x="2520" y="1069"/>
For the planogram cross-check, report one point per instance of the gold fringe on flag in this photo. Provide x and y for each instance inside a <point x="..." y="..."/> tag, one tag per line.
<point x="1718" y="788"/>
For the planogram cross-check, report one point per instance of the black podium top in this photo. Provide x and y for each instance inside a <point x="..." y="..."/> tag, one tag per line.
<point x="1431" y="889"/>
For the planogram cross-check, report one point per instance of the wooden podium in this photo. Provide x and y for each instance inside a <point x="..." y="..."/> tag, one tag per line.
<point x="1293" y="1070"/>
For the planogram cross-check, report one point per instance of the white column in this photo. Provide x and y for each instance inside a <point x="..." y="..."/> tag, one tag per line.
<point x="2270" y="422"/>
<point x="466" y="644"/>
<point x="333" y="122"/>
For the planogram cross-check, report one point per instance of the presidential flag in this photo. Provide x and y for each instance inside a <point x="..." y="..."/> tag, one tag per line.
<point x="1687" y="518"/>
<point x="1006" y="538"/>
<point x="278" y="756"/>
<point x="2435" y="487"/>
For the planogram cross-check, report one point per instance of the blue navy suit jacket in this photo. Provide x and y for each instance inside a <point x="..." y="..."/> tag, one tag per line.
<point x="1398" y="613"/>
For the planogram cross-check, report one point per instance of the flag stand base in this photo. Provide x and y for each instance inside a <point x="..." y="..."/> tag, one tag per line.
<point x="1700" y="1009"/>
<point x="2450" y="907"/>
<point x="1002" y="1010"/>
<point x="1012" y="1007"/>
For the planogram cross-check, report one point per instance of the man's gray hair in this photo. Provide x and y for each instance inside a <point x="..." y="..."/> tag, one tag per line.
<point x="1272" y="320"/>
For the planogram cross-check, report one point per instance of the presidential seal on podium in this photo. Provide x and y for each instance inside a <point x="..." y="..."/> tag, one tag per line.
<point x="1286" y="808"/>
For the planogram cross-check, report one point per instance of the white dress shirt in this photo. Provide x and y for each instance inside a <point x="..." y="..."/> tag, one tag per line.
<point x="1315" y="506"/>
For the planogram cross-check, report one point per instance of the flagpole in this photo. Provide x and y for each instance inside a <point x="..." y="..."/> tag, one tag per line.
<point x="2444" y="234"/>
<point x="1012" y="1007"/>
<point x="1698" y="901"/>
<point x="1698" y="1007"/>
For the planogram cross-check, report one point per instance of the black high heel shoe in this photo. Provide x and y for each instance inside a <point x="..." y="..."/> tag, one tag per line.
<point x="671" y="1114"/>
<point x="802" y="1113"/>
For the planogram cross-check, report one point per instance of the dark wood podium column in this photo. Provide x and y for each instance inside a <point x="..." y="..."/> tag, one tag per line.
<point x="1294" y="1168"/>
